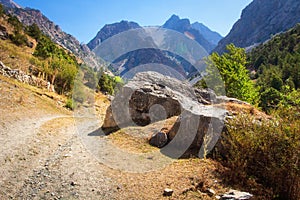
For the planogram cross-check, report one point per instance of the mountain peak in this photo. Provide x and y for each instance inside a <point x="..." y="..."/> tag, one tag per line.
<point x="174" y="17"/>
<point x="175" y="23"/>
<point x="9" y="4"/>
<point x="110" y="30"/>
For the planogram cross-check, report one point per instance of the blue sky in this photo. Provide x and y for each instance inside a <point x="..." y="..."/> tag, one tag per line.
<point x="84" y="18"/>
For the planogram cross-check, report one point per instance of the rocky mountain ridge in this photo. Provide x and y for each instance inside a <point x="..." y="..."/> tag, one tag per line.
<point x="30" y="16"/>
<point x="211" y="36"/>
<point x="197" y="31"/>
<point x="260" y="20"/>
<point x="184" y="26"/>
<point x="110" y="30"/>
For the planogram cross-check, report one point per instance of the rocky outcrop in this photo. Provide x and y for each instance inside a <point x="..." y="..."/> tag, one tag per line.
<point x="23" y="77"/>
<point x="260" y="20"/>
<point x="142" y="101"/>
<point x="3" y="33"/>
<point x="151" y="97"/>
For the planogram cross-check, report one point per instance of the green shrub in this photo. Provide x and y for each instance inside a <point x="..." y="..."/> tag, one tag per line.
<point x="267" y="151"/>
<point x="106" y="84"/>
<point x="19" y="39"/>
<point x="70" y="104"/>
<point x="34" y="31"/>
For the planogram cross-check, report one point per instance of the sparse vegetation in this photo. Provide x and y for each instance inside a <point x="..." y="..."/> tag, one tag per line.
<point x="70" y="104"/>
<point x="266" y="151"/>
<point x="19" y="39"/>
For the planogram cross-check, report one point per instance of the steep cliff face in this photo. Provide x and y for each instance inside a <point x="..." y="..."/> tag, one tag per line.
<point x="110" y="30"/>
<point x="260" y="20"/>
<point x="30" y="16"/>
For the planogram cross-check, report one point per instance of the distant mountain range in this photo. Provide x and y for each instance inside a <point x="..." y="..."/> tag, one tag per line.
<point x="260" y="20"/>
<point x="202" y="34"/>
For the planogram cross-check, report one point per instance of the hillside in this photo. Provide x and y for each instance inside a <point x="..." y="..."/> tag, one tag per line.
<point x="276" y="64"/>
<point x="30" y="16"/>
<point x="27" y="49"/>
<point x="260" y="20"/>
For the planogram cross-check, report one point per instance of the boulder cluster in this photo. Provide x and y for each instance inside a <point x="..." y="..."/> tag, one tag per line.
<point x="150" y="97"/>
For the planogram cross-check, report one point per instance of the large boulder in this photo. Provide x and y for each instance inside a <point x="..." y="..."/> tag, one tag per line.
<point x="147" y="98"/>
<point x="151" y="97"/>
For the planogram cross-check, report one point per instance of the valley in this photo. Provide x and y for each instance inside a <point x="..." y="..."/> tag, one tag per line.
<point x="171" y="111"/>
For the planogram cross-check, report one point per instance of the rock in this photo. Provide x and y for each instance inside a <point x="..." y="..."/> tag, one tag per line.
<point x="168" y="192"/>
<point x="210" y="192"/>
<point x="205" y="96"/>
<point x="152" y="97"/>
<point x="3" y="33"/>
<point x="148" y="98"/>
<point x="73" y="183"/>
<point x="236" y="195"/>
<point x="159" y="139"/>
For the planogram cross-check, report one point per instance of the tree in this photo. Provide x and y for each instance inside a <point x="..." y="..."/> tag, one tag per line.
<point x="233" y="73"/>
<point x="34" y="31"/>
<point x="18" y="39"/>
<point x="106" y="84"/>
<point x="1" y="10"/>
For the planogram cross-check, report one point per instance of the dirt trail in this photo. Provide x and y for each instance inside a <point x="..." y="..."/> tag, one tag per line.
<point x="46" y="154"/>
<point x="41" y="154"/>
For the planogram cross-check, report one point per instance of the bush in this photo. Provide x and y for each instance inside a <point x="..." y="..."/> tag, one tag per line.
<point x="267" y="151"/>
<point x="106" y="84"/>
<point x="34" y="31"/>
<point x="70" y="104"/>
<point x="19" y="39"/>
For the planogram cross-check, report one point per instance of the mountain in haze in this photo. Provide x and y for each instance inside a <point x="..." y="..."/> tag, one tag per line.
<point x="184" y="26"/>
<point x="110" y="30"/>
<point x="197" y="31"/>
<point x="260" y="20"/>
<point x="201" y="34"/>
<point x="211" y="36"/>
<point x="30" y="16"/>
